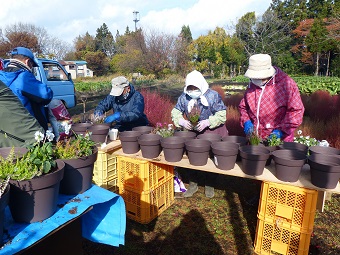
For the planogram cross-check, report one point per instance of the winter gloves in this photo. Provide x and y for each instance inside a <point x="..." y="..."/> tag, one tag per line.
<point x="277" y="133"/>
<point x="185" y="123"/>
<point x="112" y="118"/>
<point x="203" y="124"/>
<point x="248" y="127"/>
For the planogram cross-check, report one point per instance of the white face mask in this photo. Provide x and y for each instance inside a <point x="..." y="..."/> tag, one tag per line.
<point x="258" y="82"/>
<point x="194" y="94"/>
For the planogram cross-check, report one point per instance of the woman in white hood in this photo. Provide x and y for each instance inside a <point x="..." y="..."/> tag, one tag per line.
<point x="212" y="117"/>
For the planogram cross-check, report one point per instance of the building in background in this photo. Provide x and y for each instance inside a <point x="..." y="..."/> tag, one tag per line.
<point x="77" y="68"/>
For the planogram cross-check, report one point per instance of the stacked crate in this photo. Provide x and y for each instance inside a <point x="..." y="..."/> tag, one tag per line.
<point x="105" y="171"/>
<point x="285" y="219"/>
<point x="147" y="187"/>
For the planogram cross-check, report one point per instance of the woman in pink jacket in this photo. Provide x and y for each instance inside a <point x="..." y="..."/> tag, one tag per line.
<point x="272" y="102"/>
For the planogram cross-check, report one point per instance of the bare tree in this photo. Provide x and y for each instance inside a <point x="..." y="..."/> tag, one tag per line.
<point x="35" y="38"/>
<point x="265" y="34"/>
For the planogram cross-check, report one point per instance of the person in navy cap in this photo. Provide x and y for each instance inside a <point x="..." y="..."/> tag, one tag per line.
<point x="18" y="76"/>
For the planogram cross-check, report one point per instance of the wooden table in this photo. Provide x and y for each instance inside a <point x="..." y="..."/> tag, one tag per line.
<point x="268" y="173"/>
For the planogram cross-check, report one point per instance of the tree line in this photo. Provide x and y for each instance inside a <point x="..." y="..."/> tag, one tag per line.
<point x="301" y="36"/>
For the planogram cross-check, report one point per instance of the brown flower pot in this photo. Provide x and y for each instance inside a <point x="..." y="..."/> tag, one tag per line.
<point x="78" y="174"/>
<point x="325" y="170"/>
<point x="143" y="129"/>
<point x="271" y="149"/>
<point x="240" y="140"/>
<point x="99" y="132"/>
<point x="36" y="199"/>
<point x="173" y="148"/>
<point x="294" y="146"/>
<point x="288" y="164"/>
<point x="198" y="151"/>
<point x="80" y="128"/>
<point x="150" y="145"/>
<point x="210" y="137"/>
<point x="129" y="141"/>
<point x="324" y="150"/>
<point x="186" y="135"/>
<point x="3" y="203"/>
<point x="254" y="159"/>
<point x="225" y="154"/>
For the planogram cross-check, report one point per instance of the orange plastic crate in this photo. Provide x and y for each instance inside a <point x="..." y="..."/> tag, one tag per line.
<point x="142" y="175"/>
<point x="105" y="171"/>
<point x="272" y="239"/>
<point x="288" y="206"/>
<point x="145" y="206"/>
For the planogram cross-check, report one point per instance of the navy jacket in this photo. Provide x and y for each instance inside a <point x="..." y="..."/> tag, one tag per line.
<point x="131" y="110"/>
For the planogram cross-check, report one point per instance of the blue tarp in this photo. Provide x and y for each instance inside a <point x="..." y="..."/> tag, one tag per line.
<point x="105" y="223"/>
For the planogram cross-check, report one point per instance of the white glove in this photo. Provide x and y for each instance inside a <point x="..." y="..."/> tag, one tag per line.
<point x="185" y="123"/>
<point x="202" y="125"/>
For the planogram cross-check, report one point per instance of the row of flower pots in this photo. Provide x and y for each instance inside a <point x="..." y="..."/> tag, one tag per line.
<point x="289" y="158"/>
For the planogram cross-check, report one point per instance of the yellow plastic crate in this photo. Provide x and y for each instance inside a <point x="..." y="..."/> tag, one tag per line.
<point x="105" y="171"/>
<point x="142" y="175"/>
<point x="272" y="239"/>
<point x="145" y="206"/>
<point x="288" y="206"/>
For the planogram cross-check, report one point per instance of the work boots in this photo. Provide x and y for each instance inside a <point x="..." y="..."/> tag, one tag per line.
<point x="191" y="190"/>
<point x="209" y="191"/>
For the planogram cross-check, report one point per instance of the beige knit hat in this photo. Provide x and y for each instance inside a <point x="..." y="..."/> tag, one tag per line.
<point x="260" y="67"/>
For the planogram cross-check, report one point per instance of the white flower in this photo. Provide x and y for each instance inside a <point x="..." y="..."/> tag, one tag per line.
<point x="67" y="127"/>
<point x="170" y="126"/>
<point x="49" y="135"/>
<point x="324" y="143"/>
<point x="38" y="136"/>
<point x="299" y="132"/>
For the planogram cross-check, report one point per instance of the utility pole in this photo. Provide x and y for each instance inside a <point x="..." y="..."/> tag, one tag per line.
<point x="136" y="18"/>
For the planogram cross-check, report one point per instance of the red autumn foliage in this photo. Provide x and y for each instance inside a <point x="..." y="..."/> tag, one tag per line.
<point x="234" y="100"/>
<point x="219" y="90"/>
<point x="322" y="106"/>
<point x="157" y="107"/>
<point x="233" y="121"/>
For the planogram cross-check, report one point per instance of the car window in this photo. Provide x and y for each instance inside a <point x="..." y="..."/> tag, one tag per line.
<point x="54" y="72"/>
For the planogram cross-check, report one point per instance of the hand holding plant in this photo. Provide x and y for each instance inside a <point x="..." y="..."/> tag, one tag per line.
<point x="194" y="115"/>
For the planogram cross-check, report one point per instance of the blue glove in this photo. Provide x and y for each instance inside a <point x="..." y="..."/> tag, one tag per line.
<point x="277" y="133"/>
<point x="112" y="118"/>
<point x="248" y="127"/>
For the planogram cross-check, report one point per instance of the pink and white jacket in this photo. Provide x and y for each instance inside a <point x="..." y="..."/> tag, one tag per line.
<point x="277" y="105"/>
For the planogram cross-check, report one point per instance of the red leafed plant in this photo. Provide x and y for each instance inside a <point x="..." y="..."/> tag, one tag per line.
<point x="157" y="107"/>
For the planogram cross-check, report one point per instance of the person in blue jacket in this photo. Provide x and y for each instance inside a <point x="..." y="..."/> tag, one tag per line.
<point x="18" y="76"/>
<point x="127" y="105"/>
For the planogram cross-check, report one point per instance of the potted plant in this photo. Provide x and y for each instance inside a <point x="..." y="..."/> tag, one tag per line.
<point x="164" y="130"/>
<point x="254" y="139"/>
<point x="79" y="154"/>
<point x="34" y="180"/>
<point x="272" y="143"/>
<point x="194" y="115"/>
<point x="4" y="198"/>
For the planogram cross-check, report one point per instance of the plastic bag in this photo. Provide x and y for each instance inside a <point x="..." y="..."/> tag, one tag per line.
<point x="179" y="185"/>
<point x="60" y="119"/>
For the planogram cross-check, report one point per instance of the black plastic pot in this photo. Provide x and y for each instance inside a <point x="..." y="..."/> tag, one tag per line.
<point x="173" y="148"/>
<point x="198" y="151"/>
<point x="129" y="141"/>
<point x="150" y="145"/>
<point x="288" y="164"/>
<point x="325" y="170"/>
<point x="225" y="154"/>
<point x="254" y="159"/>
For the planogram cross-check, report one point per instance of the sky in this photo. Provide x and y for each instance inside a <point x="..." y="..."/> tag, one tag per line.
<point x="67" y="19"/>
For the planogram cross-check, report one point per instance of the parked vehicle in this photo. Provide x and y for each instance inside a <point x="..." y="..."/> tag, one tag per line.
<point x="54" y="75"/>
